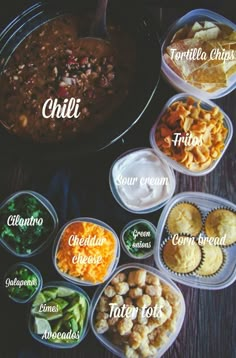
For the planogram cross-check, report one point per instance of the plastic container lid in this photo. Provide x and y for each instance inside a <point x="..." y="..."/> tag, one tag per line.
<point x="171" y="180"/>
<point x="31" y="268"/>
<point x="206" y="202"/>
<point x="49" y="208"/>
<point x="85" y="328"/>
<point x="112" y="266"/>
<point x="207" y="104"/>
<point x="176" y="81"/>
<point x="172" y="336"/>
<point x="152" y="229"/>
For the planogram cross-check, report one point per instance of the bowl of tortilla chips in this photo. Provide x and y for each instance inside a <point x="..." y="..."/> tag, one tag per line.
<point x="199" y="54"/>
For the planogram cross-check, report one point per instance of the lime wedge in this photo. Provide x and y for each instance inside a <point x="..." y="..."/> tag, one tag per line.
<point x="50" y="293"/>
<point x="41" y="326"/>
<point x="64" y="292"/>
<point x="39" y="299"/>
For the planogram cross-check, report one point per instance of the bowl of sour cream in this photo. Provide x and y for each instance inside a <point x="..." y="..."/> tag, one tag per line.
<point x="140" y="181"/>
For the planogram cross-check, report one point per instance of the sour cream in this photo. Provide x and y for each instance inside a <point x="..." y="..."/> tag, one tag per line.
<point x="142" y="181"/>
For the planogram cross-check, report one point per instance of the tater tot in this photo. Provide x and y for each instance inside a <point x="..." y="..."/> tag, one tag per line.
<point x="137" y="278"/>
<point x="104" y="304"/>
<point x="124" y="326"/>
<point x="109" y="291"/>
<point x="135" y="340"/>
<point x="121" y="288"/>
<point x="117" y="299"/>
<point x="152" y="279"/>
<point x="135" y="292"/>
<point x="130" y="352"/>
<point x="101" y="326"/>
<point x="142" y="330"/>
<point x="144" y="301"/>
<point x="153" y="290"/>
<point x="120" y="277"/>
<point x="158" y="301"/>
<point x="141" y="318"/>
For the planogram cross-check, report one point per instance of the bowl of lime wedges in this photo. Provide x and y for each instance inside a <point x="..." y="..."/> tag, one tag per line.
<point x="59" y="315"/>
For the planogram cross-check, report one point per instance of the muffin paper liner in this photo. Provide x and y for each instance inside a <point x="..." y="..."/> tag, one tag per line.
<point x="185" y="202"/>
<point x="164" y="242"/>
<point x="204" y="223"/>
<point x="219" y="269"/>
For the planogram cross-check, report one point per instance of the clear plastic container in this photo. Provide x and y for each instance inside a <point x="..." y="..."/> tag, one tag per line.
<point x="34" y="270"/>
<point x="85" y="328"/>
<point x="117" y="197"/>
<point x="206" y="202"/>
<point x="112" y="266"/>
<point x="51" y="211"/>
<point x="206" y="104"/>
<point x="163" y="278"/>
<point x="177" y="82"/>
<point x="152" y="229"/>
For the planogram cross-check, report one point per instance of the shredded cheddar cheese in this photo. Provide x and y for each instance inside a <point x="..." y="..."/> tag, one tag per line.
<point x="86" y="262"/>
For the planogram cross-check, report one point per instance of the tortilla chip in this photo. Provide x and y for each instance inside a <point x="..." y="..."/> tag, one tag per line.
<point x="209" y="25"/>
<point x="209" y="74"/>
<point x="196" y="27"/>
<point x="207" y="34"/>
<point x="187" y="66"/>
<point x="228" y="65"/>
<point x="231" y="71"/>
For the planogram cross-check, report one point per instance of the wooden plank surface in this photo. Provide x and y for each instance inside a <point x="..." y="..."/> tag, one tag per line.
<point x="81" y="188"/>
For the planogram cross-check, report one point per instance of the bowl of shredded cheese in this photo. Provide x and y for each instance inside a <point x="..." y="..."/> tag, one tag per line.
<point x="86" y="251"/>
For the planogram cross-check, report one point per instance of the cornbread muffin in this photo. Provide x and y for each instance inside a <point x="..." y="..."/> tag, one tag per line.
<point x="182" y="258"/>
<point x="221" y="222"/>
<point x="213" y="260"/>
<point x="184" y="218"/>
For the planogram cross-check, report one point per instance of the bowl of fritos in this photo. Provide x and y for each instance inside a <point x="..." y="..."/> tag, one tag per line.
<point x="191" y="135"/>
<point x="199" y="54"/>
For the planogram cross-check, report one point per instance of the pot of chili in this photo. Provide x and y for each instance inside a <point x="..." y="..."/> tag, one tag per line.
<point x="40" y="61"/>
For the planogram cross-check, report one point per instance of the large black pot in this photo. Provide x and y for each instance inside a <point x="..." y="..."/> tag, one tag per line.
<point x="134" y="21"/>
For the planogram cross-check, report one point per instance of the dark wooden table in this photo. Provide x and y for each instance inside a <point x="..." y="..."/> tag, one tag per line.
<point x="80" y="188"/>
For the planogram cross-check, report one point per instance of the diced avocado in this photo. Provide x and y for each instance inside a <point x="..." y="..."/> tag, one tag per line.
<point x="75" y="309"/>
<point x="74" y="325"/>
<point x="57" y="326"/>
<point x="60" y="302"/>
<point x="66" y="320"/>
<point x="68" y="316"/>
<point x="73" y="303"/>
<point x="83" y="312"/>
